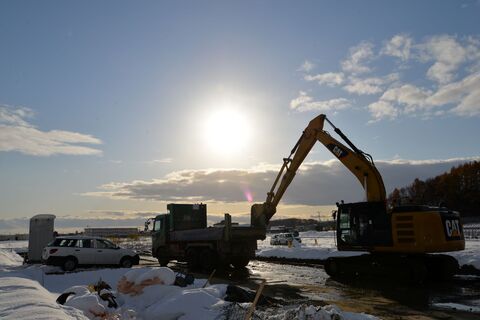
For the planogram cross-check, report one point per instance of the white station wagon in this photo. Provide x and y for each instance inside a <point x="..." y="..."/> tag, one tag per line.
<point x="71" y="251"/>
<point x="283" y="238"/>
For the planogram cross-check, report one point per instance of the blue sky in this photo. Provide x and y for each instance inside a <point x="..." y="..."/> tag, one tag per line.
<point x="113" y="109"/>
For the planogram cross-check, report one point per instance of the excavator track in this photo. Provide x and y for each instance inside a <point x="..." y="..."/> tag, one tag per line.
<point x="412" y="268"/>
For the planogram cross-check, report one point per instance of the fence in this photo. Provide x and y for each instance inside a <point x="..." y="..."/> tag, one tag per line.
<point x="472" y="232"/>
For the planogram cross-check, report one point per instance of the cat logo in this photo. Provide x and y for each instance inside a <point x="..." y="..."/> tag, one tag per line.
<point x="453" y="229"/>
<point x="337" y="151"/>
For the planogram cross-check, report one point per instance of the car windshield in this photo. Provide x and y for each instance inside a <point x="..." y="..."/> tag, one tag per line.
<point x="105" y="244"/>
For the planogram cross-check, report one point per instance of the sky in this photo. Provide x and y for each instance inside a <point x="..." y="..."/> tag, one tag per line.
<point x="110" y="110"/>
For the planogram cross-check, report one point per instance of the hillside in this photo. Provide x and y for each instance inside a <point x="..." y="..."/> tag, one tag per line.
<point x="458" y="189"/>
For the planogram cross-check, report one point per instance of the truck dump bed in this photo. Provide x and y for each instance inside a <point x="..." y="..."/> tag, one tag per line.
<point x="218" y="234"/>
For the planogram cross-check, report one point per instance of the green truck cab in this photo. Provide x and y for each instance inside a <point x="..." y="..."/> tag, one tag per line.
<point x="182" y="234"/>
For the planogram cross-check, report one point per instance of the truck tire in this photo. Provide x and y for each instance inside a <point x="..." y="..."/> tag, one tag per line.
<point x="193" y="258"/>
<point x="163" y="262"/>
<point x="331" y="267"/>
<point x="163" y="257"/>
<point x="208" y="259"/>
<point x="240" y="263"/>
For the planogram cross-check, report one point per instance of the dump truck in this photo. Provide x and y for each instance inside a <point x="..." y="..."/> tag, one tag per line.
<point x="182" y="234"/>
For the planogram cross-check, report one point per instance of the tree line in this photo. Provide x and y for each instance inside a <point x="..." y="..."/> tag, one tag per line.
<point x="458" y="190"/>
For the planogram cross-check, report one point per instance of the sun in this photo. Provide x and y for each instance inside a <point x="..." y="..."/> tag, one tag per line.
<point x="227" y="131"/>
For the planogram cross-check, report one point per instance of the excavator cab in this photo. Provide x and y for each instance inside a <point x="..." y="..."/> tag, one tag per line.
<point x="361" y="226"/>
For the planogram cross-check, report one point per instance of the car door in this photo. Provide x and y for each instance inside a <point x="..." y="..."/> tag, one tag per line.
<point x="84" y="251"/>
<point x="67" y="247"/>
<point x="106" y="252"/>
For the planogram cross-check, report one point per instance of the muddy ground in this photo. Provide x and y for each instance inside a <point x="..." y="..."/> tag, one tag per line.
<point x="308" y="283"/>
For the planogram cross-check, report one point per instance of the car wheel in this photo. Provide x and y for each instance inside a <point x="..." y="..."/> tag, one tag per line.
<point x="126" y="262"/>
<point x="69" y="264"/>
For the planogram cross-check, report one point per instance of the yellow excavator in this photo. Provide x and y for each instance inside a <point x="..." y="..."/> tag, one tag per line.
<point x="400" y="240"/>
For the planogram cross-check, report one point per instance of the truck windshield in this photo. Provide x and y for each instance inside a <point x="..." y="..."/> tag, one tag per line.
<point x="158" y="225"/>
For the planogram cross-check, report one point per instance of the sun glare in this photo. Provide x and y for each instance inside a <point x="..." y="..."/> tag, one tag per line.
<point x="227" y="131"/>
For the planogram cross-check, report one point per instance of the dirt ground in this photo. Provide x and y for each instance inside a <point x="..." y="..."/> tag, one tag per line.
<point x="387" y="300"/>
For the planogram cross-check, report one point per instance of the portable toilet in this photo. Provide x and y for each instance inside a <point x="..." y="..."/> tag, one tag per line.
<point x="41" y="234"/>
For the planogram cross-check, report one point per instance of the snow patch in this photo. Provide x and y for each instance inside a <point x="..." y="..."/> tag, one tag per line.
<point x="310" y="312"/>
<point x="22" y="298"/>
<point x="9" y="258"/>
<point x="457" y="306"/>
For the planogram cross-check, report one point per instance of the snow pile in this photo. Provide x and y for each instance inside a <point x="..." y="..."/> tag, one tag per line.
<point x="152" y="294"/>
<point x="146" y="293"/>
<point x="9" y="258"/>
<point x="304" y="253"/>
<point x="17" y="245"/>
<point x="88" y="302"/>
<point x="456" y="306"/>
<point x="469" y="256"/>
<point x="309" y="312"/>
<point x="133" y="282"/>
<point x="170" y="302"/>
<point x="22" y="298"/>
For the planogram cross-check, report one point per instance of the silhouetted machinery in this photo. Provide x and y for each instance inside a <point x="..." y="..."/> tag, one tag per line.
<point x="403" y="241"/>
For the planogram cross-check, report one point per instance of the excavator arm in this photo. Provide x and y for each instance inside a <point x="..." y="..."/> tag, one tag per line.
<point x="358" y="162"/>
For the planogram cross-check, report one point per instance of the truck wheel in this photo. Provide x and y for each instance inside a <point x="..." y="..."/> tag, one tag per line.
<point x="192" y="258"/>
<point x="331" y="267"/>
<point x="163" y="262"/>
<point x="69" y="264"/>
<point x="240" y="263"/>
<point x="209" y="260"/>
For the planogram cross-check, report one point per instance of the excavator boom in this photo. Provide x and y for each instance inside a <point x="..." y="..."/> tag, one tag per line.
<point x="359" y="163"/>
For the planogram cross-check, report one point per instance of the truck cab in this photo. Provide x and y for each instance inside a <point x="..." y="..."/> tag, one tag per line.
<point x="159" y="231"/>
<point x="182" y="234"/>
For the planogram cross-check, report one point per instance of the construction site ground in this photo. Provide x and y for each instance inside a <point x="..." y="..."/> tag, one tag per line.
<point x="296" y="283"/>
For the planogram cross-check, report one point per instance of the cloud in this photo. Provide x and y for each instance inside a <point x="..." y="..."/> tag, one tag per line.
<point x="465" y="92"/>
<point x="330" y="78"/>
<point x="316" y="183"/>
<point x="463" y="95"/>
<point x="381" y="110"/>
<point x="371" y="85"/>
<point x="410" y="96"/>
<point x="306" y="66"/>
<point x="447" y="53"/>
<point x="17" y="134"/>
<point x="304" y="103"/>
<point x="451" y="84"/>
<point x="358" y="58"/>
<point x="160" y="161"/>
<point x="398" y="46"/>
